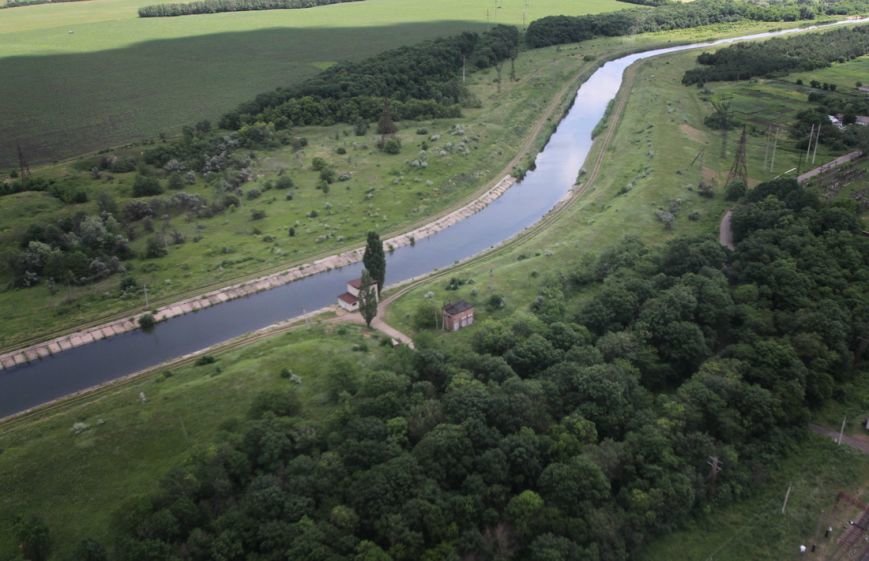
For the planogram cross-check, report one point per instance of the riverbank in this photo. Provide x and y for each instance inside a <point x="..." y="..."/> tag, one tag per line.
<point x="241" y="290"/>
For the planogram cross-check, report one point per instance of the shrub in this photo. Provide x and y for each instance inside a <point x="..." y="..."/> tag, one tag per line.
<point x="257" y="214"/>
<point x="155" y="247"/>
<point x="146" y="186"/>
<point x="361" y="127"/>
<point x="284" y="182"/>
<point x="328" y="175"/>
<point x="205" y="360"/>
<point x="318" y="164"/>
<point x="341" y="150"/>
<point x="147" y="322"/>
<point x="426" y="316"/>
<point x="734" y="191"/>
<point x="391" y="146"/>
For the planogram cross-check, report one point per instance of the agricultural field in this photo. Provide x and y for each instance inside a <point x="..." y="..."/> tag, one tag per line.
<point x="664" y="151"/>
<point x="85" y="76"/>
<point x="112" y="446"/>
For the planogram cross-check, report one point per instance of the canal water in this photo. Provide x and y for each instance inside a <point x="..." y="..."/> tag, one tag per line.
<point x="557" y="166"/>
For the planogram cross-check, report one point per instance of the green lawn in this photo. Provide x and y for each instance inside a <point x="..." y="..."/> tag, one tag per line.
<point x="84" y="76"/>
<point x="77" y="481"/>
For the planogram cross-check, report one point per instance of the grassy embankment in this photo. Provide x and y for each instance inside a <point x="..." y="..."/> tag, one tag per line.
<point x="660" y="134"/>
<point x="76" y="481"/>
<point x="84" y="76"/>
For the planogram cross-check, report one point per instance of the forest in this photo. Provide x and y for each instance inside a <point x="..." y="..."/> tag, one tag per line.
<point x="217" y="6"/>
<point x="558" y="30"/>
<point x="575" y="431"/>
<point x="780" y="56"/>
<point x="421" y="82"/>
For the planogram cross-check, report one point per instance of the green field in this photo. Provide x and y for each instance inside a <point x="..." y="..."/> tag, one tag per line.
<point x="83" y="76"/>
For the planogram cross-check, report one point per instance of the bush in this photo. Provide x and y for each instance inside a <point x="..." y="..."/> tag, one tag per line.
<point x="341" y="150"/>
<point x="426" y="316"/>
<point x="155" y="247"/>
<point x="391" y="146"/>
<point x="128" y="283"/>
<point x="361" y="127"/>
<point x="284" y="182"/>
<point x="146" y="186"/>
<point x="147" y="322"/>
<point x="328" y="175"/>
<point x="205" y="360"/>
<point x="318" y="164"/>
<point x="257" y="214"/>
<point x="734" y="191"/>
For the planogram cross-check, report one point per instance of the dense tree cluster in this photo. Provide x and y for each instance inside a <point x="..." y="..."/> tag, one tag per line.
<point x="217" y="6"/>
<point x="557" y="30"/>
<point x="21" y="3"/>
<point x="648" y="2"/>
<point x="422" y="81"/>
<point x="575" y="433"/>
<point x="780" y="56"/>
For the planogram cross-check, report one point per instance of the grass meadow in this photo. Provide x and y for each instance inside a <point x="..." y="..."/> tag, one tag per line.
<point x="84" y="76"/>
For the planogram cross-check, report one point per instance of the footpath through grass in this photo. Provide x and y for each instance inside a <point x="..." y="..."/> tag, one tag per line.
<point x="84" y="76"/>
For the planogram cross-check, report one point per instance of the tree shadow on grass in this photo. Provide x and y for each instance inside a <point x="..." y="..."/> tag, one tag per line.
<point x="59" y="106"/>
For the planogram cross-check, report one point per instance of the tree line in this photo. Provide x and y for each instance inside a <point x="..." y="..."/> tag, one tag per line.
<point x="780" y="56"/>
<point x="217" y="6"/>
<point x="576" y="431"/>
<point x="557" y="30"/>
<point x="421" y="81"/>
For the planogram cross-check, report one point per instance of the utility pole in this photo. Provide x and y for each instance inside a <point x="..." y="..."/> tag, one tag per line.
<point x="147" y="306"/>
<point x="787" y="496"/>
<point x="23" y="167"/>
<point x="774" y="146"/>
<point x="841" y="431"/>
<point x="809" y="148"/>
<point x="766" y="150"/>
<point x="739" y="169"/>
<point x="817" y="139"/>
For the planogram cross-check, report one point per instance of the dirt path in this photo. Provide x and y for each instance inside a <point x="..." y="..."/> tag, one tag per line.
<point x="377" y="324"/>
<point x="857" y="442"/>
<point x="829" y="166"/>
<point x="725" y="230"/>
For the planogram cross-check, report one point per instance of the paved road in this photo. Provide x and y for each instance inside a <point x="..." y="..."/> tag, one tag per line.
<point x="857" y="442"/>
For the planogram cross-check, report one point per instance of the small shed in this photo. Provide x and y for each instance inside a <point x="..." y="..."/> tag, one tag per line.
<point x="458" y="315"/>
<point x="350" y="299"/>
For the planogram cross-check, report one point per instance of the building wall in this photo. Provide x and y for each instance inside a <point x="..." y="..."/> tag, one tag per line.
<point x="458" y="321"/>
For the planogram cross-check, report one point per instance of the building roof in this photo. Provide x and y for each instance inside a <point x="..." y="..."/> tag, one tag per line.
<point x="355" y="283"/>
<point x="349" y="298"/>
<point x="457" y="307"/>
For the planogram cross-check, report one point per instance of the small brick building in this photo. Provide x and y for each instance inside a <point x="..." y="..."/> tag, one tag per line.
<point x="350" y="299"/>
<point x="457" y="315"/>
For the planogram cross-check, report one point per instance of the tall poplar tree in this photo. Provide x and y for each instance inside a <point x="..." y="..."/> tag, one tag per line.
<point x="368" y="298"/>
<point x="374" y="259"/>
